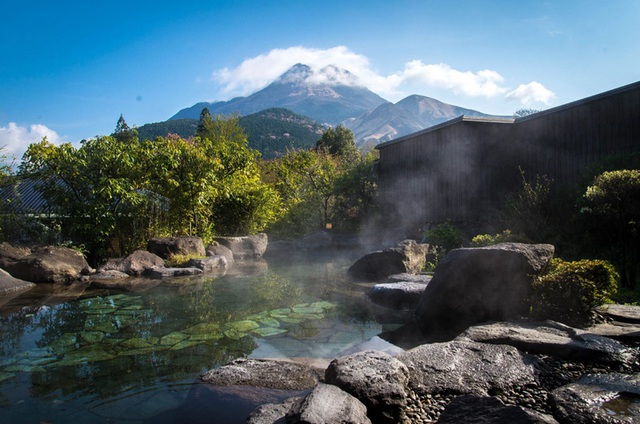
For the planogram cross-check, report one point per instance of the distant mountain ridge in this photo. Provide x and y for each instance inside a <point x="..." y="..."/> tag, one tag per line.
<point x="334" y="96"/>
<point x="411" y="114"/>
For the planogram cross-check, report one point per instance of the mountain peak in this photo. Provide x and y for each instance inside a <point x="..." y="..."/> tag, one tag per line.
<point x="301" y="74"/>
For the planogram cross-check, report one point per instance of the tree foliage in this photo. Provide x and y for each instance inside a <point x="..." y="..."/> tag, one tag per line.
<point x="612" y="209"/>
<point x="338" y="141"/>
<point x="570" y="291"/>
<point x="115" y="192"/>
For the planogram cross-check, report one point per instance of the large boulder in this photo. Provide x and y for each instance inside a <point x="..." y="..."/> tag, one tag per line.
<point x="401" y="295"/>
<point x="408" y="256"/>
<point x="247" y="247"/>
<point x="136" y="264"/>
<point x="209" y="264"/>
<point x="172" y="272"/>
<point x="166" y="247"/>
<point x="473" y="285"/>
<point x="598" y="398"/>
<point x="466" y="367"/>
<point x="10" y="285"/>
<point x="216" y="249"/>
<point x="263" y="373"/>
<point x="554" y="339"/>
<point x="49" y="264"/>
<point x="230" y="393"/>
<point x="328" y="404"/>
<point x="471" y="409"/>
<point x="377" y="379"/>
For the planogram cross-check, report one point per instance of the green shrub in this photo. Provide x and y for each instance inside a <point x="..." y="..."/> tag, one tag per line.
<point x="441" y="238"/>
<point x="570" y="291"/>
<point x="505" y="236"/>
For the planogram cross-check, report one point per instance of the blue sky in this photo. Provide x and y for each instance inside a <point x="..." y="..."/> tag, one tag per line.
<point x="69" y="69"/>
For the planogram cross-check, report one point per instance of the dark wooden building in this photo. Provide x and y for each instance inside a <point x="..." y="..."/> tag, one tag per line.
<point x="463" y="169"/>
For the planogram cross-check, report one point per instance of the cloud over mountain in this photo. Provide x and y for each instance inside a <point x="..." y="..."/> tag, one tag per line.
<point x="256" y="73"/>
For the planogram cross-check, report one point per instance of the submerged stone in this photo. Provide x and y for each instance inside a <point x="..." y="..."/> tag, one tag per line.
<point x="270" y="322"/>
<point x="139" y="343"/>
<point x="202" y="329"/>
<point x="173" y="338"/>
<point x="92" y="336"/>
<point x="269" y="331"/>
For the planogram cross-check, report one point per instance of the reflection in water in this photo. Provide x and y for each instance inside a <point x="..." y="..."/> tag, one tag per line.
<point x="115" y="356"/>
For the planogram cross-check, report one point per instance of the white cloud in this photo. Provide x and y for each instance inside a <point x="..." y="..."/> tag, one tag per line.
<point x="534" y="92"/>
<point x="256" y="73"/>
<point x="482" y="83"/>
<point x="15" y="139"/>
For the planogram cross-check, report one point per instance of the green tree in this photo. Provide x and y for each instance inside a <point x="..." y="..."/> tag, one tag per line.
<point x="97" y="188"/>
<point x="338" y="141"/>
<point x="612" y="209"/>
<point x="529" y="210"/>
<point x="206" y="125"/>
<point x="521" y="113"/>
<point x="123" y="132"/>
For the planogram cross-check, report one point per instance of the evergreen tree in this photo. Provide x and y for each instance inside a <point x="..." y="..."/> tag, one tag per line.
<point x="206" y="127"/>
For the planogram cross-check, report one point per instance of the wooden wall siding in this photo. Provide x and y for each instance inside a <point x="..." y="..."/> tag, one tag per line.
<point x="463" y="170"/>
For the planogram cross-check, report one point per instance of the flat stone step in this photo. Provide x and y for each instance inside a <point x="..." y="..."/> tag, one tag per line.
<point x="622" y="313"/>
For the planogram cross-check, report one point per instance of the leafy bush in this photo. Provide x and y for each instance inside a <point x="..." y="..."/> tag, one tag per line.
<point x="446" y="236"/>
<point x="570" y="291"/>
<point x="505" y="236"/>
<point x="442" y="238"/>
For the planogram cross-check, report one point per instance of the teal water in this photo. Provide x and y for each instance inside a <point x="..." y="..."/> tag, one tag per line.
<point x="113" y="356"/>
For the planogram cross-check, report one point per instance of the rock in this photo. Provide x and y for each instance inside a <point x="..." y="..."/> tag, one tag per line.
<point x="621" y="313"/>
<point x="623" y="332"/>
<point x="410" y="278"/>
<point x="136" y="264"/>
<point x="168" y="246"/>
<point x="598" y="398"/>
<point x="470" y="409"/>
<point x="10" y="285"/>
<point x="327" y="404"/>
<point x="216" y="249"/>
<point x="466" y="367"/>
<point x="263" y="373"/>
<point x="130" y="284"/>
<point x="272" y="413"/>
<point x="10" y="253"/>
<point x="172" y="272"/>
<point x="209" y="264"/>
<point x="554" y="339"/>
<point x="377" y="379"/>
<point x="406" y="257"/>
<point x="402" y="295"/>
<point x="473" y="285"/>
<point x="248" y="247"/>
<point x="49" y="264"/>
<point x="111" y="274"/>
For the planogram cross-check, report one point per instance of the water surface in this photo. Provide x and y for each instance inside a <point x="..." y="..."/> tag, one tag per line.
<point x="114" y="356"/>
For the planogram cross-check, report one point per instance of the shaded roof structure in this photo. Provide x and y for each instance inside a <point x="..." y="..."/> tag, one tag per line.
<point x="22" y="196"/>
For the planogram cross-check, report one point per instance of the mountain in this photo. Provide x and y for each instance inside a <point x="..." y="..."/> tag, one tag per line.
<point x="274" y="131"/>
<point x="411" y="114"/>
<point x="332" y="96"/>
<point x="329" y="95"/>
<point x="271" y="131"/>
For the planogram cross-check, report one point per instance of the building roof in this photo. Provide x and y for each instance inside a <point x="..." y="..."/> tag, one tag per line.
<point x="23" y="197"/>
<point x="462" y="118"/>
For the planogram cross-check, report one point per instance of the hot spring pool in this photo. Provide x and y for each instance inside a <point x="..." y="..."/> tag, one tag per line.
<point x="112" y="356"/>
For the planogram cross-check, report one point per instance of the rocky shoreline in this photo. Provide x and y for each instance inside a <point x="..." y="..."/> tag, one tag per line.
<point x="493" y="364"/>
